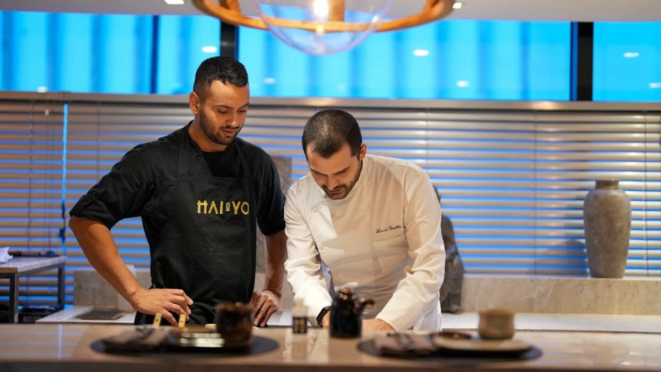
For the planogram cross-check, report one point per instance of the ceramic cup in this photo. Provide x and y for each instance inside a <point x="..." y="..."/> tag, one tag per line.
<point x="234" y="321"/>
<point x="496" y="324"/>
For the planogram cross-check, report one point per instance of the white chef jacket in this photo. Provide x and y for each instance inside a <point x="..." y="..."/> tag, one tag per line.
<point x="385" y="236"/>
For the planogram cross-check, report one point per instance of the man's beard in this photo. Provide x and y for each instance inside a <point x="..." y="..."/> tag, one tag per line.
<point x="346" y="188"/>
<point x="216" y="137"/>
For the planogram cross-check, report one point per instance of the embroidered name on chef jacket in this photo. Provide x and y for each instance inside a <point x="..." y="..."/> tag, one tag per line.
<point x="389" y="228"/>
<point x="223" y="207"/>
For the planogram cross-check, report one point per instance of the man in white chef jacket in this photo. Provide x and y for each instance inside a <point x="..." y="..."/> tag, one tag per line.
<point x="375" y="222"/>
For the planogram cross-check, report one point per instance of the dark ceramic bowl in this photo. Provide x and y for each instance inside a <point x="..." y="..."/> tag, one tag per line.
<point x="234" y="321"/>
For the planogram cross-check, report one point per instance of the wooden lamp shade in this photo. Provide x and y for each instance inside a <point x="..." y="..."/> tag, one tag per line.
<point x="229" y="11"/>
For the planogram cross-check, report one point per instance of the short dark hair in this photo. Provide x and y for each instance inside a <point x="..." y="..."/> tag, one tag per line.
<point x="223" y="69"/>
<point x="329" y="130"/>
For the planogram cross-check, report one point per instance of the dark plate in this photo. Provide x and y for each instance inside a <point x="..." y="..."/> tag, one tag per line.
<point x="166" y="350"/>
<point x="457" y="358"/>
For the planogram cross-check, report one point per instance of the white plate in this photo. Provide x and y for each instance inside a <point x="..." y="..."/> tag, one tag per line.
<point x="482" y="346"/>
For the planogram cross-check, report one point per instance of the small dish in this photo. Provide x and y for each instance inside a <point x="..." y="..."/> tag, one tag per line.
<point x="202" y="337"/>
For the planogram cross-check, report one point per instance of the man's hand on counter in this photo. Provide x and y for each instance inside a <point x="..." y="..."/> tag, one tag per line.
<point x="163" y="301"/>
<point x="265" y="303"/>
<point x="376" y="325"/>
<point x="325" y="321"/>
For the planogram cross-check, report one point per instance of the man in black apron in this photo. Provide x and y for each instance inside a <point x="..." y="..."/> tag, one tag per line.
<point x="201" y="193"/>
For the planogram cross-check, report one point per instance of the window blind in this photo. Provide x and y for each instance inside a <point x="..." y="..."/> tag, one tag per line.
<point x="31" y="149"/>
<point x="512" y="180"/>
<point x="99" y="134"/>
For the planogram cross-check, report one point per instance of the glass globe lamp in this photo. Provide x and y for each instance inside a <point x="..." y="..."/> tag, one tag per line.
<point x="322" y="26"/>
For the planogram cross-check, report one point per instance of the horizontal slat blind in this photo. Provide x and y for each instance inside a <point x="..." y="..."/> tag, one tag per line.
<point x="513" y="182"/>
<point x="99" y="134"/>
<point x="626" y="148"/>
<point x="31" y="149"/>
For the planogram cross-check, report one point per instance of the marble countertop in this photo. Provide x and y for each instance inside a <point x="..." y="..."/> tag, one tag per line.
<point x="620" y="323"/>
<point x="70" y="316"/>
<point x="67" y="347"/>
<point x="461" y="322"/>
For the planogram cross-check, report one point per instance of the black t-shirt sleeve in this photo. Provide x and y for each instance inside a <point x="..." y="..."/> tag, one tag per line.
<point x="270" y="216"/>
<point x="122" y="193"/>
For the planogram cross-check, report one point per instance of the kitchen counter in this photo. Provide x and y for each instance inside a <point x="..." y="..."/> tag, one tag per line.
<point x="565" y="322"/>
<point x="70" y="316"/>
<point x="22" y="266"/>
<point x="37" y="347"/>
<point x="461" y="322"/>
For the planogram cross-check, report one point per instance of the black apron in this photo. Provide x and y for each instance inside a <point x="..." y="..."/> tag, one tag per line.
<point x="207" y="246"/>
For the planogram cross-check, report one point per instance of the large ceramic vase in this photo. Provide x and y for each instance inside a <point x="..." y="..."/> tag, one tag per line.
<point x="607" y="222"/>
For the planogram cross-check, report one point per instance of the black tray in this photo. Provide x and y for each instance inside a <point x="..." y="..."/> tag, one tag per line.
<point x="257" y="346"/>
<point x="454" y="358"/>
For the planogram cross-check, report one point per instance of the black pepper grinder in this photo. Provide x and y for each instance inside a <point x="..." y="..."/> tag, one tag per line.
<point x="346" y="314"/>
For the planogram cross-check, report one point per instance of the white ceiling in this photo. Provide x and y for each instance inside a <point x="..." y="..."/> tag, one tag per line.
<point x="531" y="10"/>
